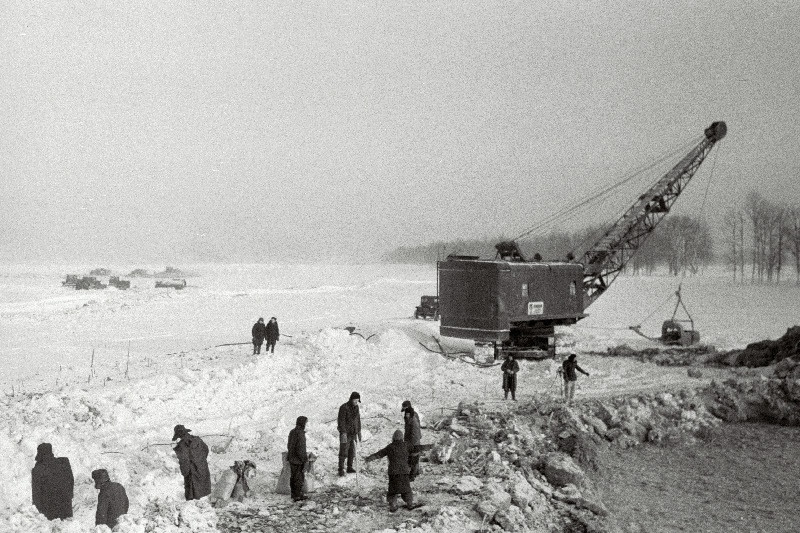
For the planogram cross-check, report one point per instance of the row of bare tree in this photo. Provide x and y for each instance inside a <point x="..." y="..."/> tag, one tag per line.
<point x="762" y="236"/>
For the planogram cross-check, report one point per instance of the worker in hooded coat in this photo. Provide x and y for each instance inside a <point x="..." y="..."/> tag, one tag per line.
<point x="399" y="481"/>
<point x="52" y="483"/>
<point x="112" y="501"/>
<point x="273" y="335"/>
<point x="259" y="332"/>
<point x="510" y="367"/>
<point x="297" y="458"/>
<point x="192" y="455"/>
<point x="349" y="425"/>
<point x="412" y="436"/>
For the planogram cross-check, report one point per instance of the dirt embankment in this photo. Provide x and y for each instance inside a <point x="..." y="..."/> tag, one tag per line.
<point x="758" y="354"/>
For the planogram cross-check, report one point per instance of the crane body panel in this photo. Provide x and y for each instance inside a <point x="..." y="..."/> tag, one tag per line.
<point x="487" y="300"/>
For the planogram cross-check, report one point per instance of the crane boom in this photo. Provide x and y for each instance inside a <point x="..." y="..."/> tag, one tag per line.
<point x="606" y="258"/>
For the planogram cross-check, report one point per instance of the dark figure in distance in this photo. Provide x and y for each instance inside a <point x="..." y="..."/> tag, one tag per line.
<point x="297" y="458"/>
<point x="570" y="376"/>
<point x="192" y="455"/>
<point x="349" y="425"/>
<point x="112" y="501"/>
<point x="52" y="483"/>
<point x="273" y="335"/>
<point x="259" y="332"/>
<point x="399" y="481"/>
<point x="412" y="437"/>
<point x="510" y="367"/>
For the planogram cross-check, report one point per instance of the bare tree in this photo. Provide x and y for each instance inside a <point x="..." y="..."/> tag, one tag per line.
<point x="792" y="230"/>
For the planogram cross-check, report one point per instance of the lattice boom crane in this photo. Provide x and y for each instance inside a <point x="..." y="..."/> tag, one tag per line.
<point x="515" y="304"/>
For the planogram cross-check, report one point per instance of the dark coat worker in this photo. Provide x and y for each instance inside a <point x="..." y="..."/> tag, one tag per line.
<point x="192" y="455"/>
<point x="259" y="332"/>
<point x="399" y="482"/>
<point x="273" y="335"/>
<point x="297" y="457"/>
<point x="412" y="436"/>
<point x="112" y="501"/>
<point x="349" y="425"/>
<point x="52" y="483"/>
<point x="510" y="368"/>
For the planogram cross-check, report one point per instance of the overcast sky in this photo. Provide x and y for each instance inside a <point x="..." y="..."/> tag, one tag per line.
<point x="257" y="130"/>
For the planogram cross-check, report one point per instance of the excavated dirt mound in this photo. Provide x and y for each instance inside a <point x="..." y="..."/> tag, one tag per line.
<point x="767" y="352"/>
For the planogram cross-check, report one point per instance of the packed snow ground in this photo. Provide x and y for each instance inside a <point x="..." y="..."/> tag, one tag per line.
<point x="119" y="413"/>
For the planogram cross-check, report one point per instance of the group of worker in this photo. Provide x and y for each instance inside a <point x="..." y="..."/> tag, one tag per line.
<point x="52" y="480"/>
<point x="52" y="485"/>
<point x="269" y="332"/>
<point x="403" y="453"/>
<point x="568" y="372"/>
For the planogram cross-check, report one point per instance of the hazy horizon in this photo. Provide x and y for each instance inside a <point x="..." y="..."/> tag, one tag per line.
<point x="208" y="132"/>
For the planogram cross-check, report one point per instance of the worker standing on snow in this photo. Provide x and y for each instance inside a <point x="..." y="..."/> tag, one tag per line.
<point x="349" y="425"/>
<point x="52" y="483"/>
<point x="192" y="455"/>
<point x="112" y="501"/>
<point x="399" y="481"/>
<point x="510" y="368"/>
<point x="412" y="437"/>
<point x="259" y="332"/>
<point x="297" y="458"/>
<point x="570" y="377"/>
<point x="273" y="335"/>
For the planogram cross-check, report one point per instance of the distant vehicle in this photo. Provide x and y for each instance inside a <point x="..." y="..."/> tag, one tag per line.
<point x="121" y="284"/>
<point x="89" y="282"/>
<point x="171" y="284"/>
<point x="428" y="308"/>
<point x="70" y="281"/>
<point x="170" y="272"/>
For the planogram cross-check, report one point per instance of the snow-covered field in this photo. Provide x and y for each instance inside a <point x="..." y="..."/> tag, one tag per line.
<point x="119" y="413"/>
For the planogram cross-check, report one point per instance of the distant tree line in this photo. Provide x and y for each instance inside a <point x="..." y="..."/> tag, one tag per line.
<point x="761" y="237"/>
<point x="683" y="244"/>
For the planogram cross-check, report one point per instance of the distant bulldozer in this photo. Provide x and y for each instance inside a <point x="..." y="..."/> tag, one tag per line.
<point x="89" y="282"/>
<point x="121" y="284"/>
<point x="170" y="284"/>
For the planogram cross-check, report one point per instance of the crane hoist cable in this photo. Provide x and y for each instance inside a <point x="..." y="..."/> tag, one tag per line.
<point x="603" y="192"/>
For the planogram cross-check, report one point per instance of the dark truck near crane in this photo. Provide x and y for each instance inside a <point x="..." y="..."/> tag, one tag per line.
<point x="514" y="304"/>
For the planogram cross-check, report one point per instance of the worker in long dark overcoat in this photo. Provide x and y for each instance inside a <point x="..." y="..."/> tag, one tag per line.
<point x="112" y="501"/>
<point x="399" y="481"/>
<point x="412" y="436"/>
<point x="259" y="332"/>
<point x="510" y="367"/>
<point x="273" y="335"/>
<point x="52" y="483"/>
<point x="192" y="455"/>
<point x="349" y="425"/>
<point x="297" y="457"/>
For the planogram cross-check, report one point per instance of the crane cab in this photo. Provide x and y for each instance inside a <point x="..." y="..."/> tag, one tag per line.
<point x="512" y="305"/>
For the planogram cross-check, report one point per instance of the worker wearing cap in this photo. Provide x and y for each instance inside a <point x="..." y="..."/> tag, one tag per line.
<point x="412" y="437"/>
<point x="349" y="425"/>
<point x="192" y="455"/>
<point x="112" y="501"/>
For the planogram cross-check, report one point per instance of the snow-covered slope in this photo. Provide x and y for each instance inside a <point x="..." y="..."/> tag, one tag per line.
<point x="119" y="414"/>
